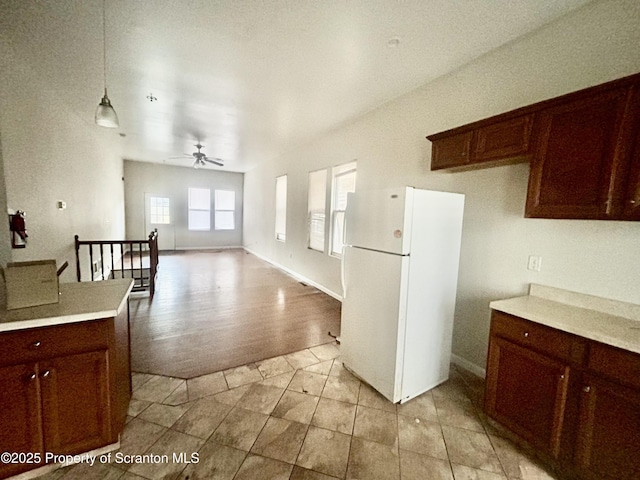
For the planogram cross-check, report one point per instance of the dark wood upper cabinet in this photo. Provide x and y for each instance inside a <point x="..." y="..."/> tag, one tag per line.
<point x="631" y="199"/>
<point x="506" y="139"/>
<point x="483" y="143"/>
<point x="452" y="151"/>
<point x="584" y="149"/>
<point x="578" y="160"/>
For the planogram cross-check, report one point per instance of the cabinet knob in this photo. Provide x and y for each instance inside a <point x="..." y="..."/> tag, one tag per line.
<point x="632" y="202"/>
<point x="35" y="345"/>
<point x="561" y="377"/>
<point x="586" y="389"/>
<point x="46" y="373"/>
<point x="526" y="334"/>
<point x="31" y="376"/>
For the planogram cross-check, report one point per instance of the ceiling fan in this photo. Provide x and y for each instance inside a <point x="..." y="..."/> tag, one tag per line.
<point x="201" y="159"/>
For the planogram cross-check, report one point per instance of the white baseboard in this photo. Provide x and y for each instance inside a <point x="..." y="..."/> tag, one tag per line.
<point x="296" y="275"/>
<point x="222" y="247"/>
<point x="467" y="365"/>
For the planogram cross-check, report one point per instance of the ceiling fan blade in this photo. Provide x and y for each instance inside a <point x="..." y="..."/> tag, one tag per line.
<point x="215" y="161"/>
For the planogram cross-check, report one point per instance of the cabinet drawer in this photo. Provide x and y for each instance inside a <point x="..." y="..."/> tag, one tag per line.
<point x="538" y="337"/>
<point x="35" y="344"/>
<point x="618" y="364"/>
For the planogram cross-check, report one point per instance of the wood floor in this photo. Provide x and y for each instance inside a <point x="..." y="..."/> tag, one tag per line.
<point x="215" y="310"/>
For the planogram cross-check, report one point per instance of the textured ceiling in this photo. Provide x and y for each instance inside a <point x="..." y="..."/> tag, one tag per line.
<point x="250" y="79"/>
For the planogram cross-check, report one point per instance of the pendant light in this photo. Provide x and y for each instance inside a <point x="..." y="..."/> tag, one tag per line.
<point x="105" y="114"/>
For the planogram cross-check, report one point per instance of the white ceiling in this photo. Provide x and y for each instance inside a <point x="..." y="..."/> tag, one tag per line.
<point x="251" y="78"/>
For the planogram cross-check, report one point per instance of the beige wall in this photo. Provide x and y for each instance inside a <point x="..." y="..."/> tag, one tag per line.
<point x="51" y="154"/>
<point x="174" y="182"/>
<point x="592" y="45"/>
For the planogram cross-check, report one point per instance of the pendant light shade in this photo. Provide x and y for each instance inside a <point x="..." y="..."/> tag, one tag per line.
<point x="105" y="114"/>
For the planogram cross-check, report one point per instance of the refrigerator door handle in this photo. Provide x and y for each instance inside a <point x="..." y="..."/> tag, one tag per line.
<point x="342" y="276"/>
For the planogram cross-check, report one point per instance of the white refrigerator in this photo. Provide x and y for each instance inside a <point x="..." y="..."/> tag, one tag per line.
<point x="399" y="276"/>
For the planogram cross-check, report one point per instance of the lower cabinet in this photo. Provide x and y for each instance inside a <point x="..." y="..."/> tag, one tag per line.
<point x="58" y="406"/>
<point x="579" y="405"/>
<point x="67" y="396"/>
<point x="527" y="393"/>
<point x="75" y="402"/>
<point x="608" y="444"/>
<point x="21" y="417"/>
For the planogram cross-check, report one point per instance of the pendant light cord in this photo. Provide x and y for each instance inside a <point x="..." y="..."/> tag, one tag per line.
<point x="105" y="114"/>
<point x="104" y="43"/>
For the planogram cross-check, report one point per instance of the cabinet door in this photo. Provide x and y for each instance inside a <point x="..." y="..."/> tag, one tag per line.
<point x="577" y="157"/>
<point x="21" y="426"/>
<point x="451" y="151"/>
<point x="608" y="440"/>
<point x="502" y="140"/>
<point x="527" y="392"/>
<point x="75" y="402"/>
<point x="631" y="199"/>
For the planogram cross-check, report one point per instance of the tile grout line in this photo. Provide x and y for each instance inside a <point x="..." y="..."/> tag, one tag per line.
<point x="314" y="411"/>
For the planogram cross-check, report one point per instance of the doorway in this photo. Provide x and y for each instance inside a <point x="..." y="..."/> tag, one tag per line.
<point x="158" y="213"/>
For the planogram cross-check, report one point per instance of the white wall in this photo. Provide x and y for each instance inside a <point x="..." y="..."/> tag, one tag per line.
<point x="50" y="154"/>
<point x="5" y="246"/>
<point x="174" y="182"/>
<point x="590" y="46"/>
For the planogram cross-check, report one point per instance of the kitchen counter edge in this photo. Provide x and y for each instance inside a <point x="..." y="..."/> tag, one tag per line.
<point x="607" y="321"/>
<point x="79" y="302"/>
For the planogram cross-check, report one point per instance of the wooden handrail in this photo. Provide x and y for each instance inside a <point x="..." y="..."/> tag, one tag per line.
<point x="127" y="247"/>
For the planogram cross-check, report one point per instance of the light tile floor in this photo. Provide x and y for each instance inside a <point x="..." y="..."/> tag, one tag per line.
<point x="304" y="417"/>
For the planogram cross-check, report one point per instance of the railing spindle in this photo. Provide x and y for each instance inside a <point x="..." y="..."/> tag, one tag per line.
<point x="102" y="262"/>
<point x="91" y="260"/>
<point x="112" y="264"/>
<point x="141" y="273"/>
<point x="77" y="242"/>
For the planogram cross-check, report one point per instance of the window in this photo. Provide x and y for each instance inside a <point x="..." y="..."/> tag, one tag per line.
<point x="344" y="181"/>
<point x="159" y="210"/>
<point x="199" y="209"/>
<point x="316" y="209"/>
<point x="225" y="206"/>
<point x="281" y="208"/>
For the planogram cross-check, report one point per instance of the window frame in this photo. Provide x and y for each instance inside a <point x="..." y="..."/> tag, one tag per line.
<point x="216" y="209"/>
<point x="311" y="211"/>
<point x="281" y="210"/>
<point x="337" y="173"/>
<point x="165" y="215"/>
<point x="191" y="208"/>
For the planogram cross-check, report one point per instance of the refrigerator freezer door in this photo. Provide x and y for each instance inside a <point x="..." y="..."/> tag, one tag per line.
<point x="373" y="318"/>
<point x="380" y="220"/>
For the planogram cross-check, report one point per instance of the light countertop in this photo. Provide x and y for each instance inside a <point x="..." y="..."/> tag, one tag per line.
<point x="77" y="302"/>
<point x="607" y="321"/>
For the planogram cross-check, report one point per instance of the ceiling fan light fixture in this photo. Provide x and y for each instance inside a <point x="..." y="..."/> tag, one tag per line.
<point x="105" y="114"/>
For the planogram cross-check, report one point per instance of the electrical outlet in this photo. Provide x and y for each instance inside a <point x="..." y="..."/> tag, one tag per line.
<point x="535" y="263"/>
